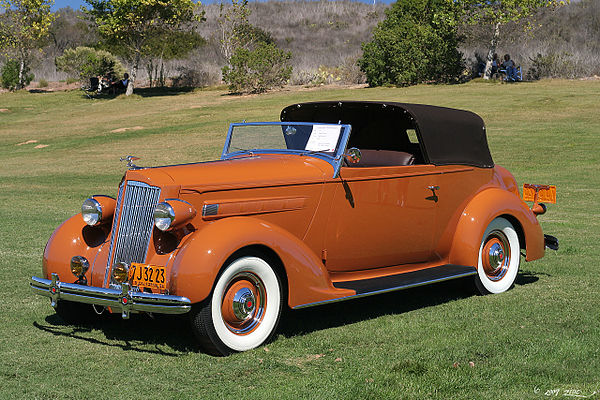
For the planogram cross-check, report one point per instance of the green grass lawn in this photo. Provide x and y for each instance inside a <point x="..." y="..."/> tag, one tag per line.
<point x="542" y="335"/>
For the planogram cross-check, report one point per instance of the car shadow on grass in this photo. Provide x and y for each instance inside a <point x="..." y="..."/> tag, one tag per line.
<point x="164" y="334"/>
<point x="172" y="336"/>
<point x="304" y="321"/>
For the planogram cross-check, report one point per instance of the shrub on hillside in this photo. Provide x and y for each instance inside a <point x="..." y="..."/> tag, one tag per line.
<point x="189" y="77"/>
<point x="86" y="62"/>
<point x="417" y="42"/>
<point x="10" y="75"/>
<point x="551" y="65"/>
<point x="257" y="70"/>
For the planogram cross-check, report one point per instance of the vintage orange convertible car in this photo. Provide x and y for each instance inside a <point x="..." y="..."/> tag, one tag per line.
<point x="338" y="200"/>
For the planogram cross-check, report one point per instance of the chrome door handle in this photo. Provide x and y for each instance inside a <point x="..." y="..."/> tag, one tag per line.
<point x="434" y="195"/>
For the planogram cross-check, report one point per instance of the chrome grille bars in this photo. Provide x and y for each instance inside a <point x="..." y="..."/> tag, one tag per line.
<point x="132" y="224"/>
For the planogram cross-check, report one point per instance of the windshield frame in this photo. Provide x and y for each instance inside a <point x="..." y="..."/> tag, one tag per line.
<point x="335" y="160"/>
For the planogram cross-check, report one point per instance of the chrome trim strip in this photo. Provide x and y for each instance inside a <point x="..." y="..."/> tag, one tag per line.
<point x="124" y="300"/>
<point x="393" y="289"/>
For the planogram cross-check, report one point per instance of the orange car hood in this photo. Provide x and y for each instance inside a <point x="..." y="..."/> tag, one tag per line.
<point x="251" y="171"/>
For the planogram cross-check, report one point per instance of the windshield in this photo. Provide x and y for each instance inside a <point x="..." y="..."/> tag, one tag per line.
<point x="326" y="141"/>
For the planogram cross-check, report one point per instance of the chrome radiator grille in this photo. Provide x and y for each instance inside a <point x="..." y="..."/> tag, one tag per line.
<point x="132" y="224"/>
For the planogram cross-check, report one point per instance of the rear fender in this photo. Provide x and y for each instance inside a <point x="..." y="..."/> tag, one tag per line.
<point x="481" y="210"/>
<point x="202" y="256"/>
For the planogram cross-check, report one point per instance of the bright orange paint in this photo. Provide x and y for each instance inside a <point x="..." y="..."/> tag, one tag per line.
<point x="369" y="222"/>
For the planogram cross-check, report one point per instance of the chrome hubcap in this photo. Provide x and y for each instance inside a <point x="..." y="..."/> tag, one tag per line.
<point x="243" y="303"/>
<point x="495" y="255"/>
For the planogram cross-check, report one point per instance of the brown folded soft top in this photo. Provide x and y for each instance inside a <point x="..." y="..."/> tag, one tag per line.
<point x="445" y="135"/>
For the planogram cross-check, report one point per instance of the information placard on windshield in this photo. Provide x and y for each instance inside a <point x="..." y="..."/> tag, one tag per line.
<point x="324" y="138"/>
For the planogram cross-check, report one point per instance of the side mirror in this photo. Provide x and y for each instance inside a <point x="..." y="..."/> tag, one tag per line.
<point x="352" y="156"/>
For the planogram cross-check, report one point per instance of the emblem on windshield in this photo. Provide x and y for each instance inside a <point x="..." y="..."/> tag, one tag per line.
<point x="130" y="160"/>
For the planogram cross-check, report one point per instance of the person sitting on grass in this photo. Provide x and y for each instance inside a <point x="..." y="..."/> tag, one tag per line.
<point x="495" y="64"/>
<point x="121" y="85"/>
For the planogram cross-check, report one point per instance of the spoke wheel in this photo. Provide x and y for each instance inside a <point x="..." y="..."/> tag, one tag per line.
<point x="243" y="310"/>
<point x="499" y="257"/>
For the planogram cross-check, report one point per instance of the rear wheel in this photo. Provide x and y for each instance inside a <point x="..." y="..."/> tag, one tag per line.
<point x="243" y="310"/>
<point x="499" y="257"/>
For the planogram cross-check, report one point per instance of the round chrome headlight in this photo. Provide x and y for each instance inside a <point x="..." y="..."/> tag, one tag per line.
<point x="120" y="272"/>
<point x="91" y="211"/>
<point x="79" y="266"/>
<point x="164" y="215"/>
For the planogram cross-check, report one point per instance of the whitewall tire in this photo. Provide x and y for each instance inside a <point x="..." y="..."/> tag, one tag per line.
<point x="243" y="310"/>
<point x="499" y="257"/>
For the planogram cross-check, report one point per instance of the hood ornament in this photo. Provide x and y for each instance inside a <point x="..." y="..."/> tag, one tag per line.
<point x="130" y="160"/>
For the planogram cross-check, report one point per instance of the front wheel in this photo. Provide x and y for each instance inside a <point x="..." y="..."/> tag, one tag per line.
<point x="499" y="257"/>
<point x="243" y="310"/>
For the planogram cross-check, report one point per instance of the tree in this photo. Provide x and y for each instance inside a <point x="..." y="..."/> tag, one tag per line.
<point x="70" y="30"/>
<point x="254" y="62"/>
<point x="497" y="13"/>
<point x="235" y="30"/>
<point x="24" y="24"/>
<point x="416" y="42"/>
<point x="229" y="20"/>
<point x="127" y="26"/>
<point x="85" y="62"/>
<point x="169" y="46"/>
<point x="264" y="67"/>
<point x="11" y="75"/>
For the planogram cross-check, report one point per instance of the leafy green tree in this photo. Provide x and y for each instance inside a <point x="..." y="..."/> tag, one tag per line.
<point x="24" y="25"/>
<point x="230" y="19"/>
<point x="236" y="31"/>
<point x="169" y="46"/>
<point x="129" y="25"/>
<point x="416" y="42"/>
<point x="11" y="75"/>
<point x="257" y="70"/>
<point x="254" y="62"/>
<point x="496" y="13"/>
<point x="85" y="62"/>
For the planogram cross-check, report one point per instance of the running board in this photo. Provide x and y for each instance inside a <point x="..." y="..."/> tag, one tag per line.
<point x="407" y="280"/>
<point x="384" y="284"/>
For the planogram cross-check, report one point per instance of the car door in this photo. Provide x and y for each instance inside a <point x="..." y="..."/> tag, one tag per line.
<point x="381" y="216"/>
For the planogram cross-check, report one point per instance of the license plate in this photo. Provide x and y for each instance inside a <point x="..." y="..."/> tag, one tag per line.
<point x="545" y="193"/>
<point x="148" y="276"/>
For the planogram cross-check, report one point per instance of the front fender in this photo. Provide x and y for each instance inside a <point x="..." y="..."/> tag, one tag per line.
<point x="72" y="238"/>
<point x="202" y="256"/>
<point x="481" y="210"/>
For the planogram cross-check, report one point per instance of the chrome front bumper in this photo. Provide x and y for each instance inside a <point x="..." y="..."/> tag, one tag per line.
<point x="124" y="300"/>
